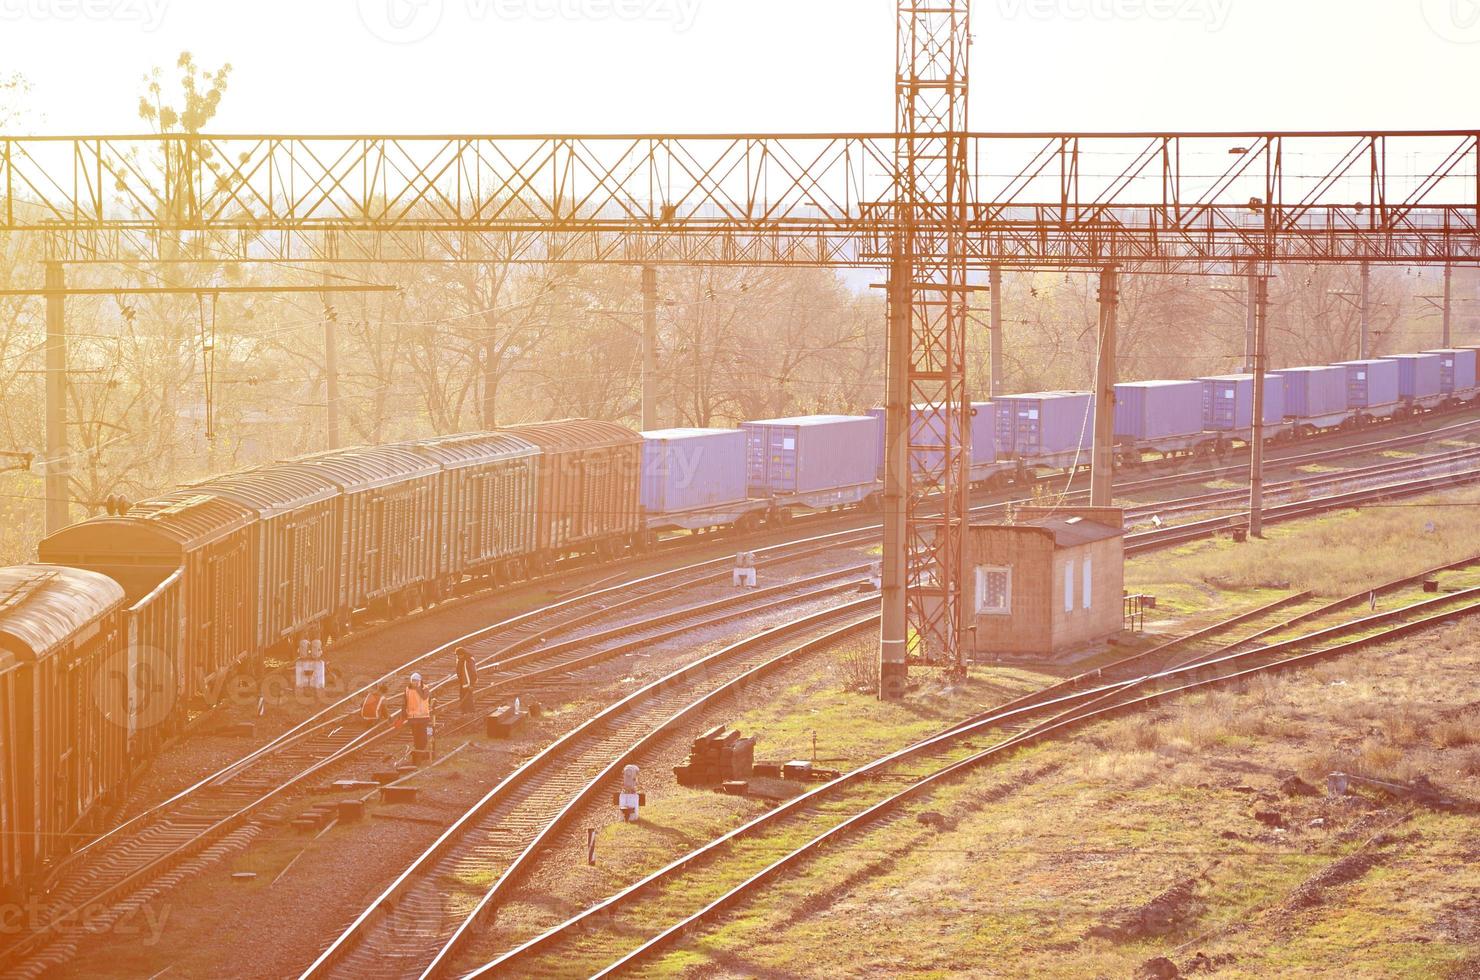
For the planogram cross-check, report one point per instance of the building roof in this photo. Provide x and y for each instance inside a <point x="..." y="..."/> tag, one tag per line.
<point x="1067" y="531"/>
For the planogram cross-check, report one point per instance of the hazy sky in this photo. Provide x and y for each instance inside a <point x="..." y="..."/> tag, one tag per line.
<point x="513" y="66"/>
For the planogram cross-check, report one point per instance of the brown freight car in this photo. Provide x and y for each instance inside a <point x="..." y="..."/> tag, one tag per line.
<point x="486" y="506"/>
<point x="64" y="706"/>
<point x="208" y="540"/>
<point x="588" y="492"/>
<point x="295" y="547"/>
<point x="387" y="528"/>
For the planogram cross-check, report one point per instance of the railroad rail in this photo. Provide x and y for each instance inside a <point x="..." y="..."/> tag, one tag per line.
<point x="439" y="963"/>
<point x="115" y="864"/>
<point x="516" y="815"/>
<point x="1070" y="704"/>
<point x="324" y="740"/>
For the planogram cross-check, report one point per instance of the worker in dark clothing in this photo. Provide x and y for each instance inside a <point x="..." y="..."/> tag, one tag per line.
<point x="467" y="679"/>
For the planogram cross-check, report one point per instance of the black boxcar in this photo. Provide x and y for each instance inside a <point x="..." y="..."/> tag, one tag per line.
<point x="486" y="506"/>
<point x="208" y="540"/>
<point x="64" y="705"/>
<point x="588" y="493"/>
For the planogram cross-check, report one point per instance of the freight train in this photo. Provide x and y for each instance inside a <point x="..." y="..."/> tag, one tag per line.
<point x="134" y="620"/>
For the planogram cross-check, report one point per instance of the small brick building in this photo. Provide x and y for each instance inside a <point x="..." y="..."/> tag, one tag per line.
<point x="1048" y="585"/>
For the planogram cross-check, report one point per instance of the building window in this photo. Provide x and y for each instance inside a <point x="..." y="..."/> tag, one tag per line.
<point x="994" y="591"/>
<point x="1069" y="586"/>
<point x="1089" y="587"/>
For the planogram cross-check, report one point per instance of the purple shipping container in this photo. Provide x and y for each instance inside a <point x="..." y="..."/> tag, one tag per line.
<point x="1149" y="410"/>
<point x="1228" y="401"/>
<point x="1457" y="368"/>
<point x="1045" y="423"/>
<point x="983" y="433"/>
<point x="692" y="469"/>
<point x="1314" y="392"/>
<point x="810" y="454"/>
<point x="1419" y="375"/>
<point x="1370" y="384"/>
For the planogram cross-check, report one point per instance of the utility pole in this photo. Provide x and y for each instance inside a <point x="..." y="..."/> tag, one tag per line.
<point x="893" y="620"/>
<point x="995" y="284"/>
<point x="1366" y="345"/>
<point x="331" y="376"/>
<point x="1249" y="328"/>
<point x="58" y="511"/>
<point x="1448" y="305"/>
<point x="1102" y="477"/>
<point x="1261" y="367"/>
<point x="649" y="349"/>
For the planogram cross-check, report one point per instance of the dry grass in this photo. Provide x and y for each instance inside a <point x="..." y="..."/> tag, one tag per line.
<point x="1024" y="878"/>
<point x="1458" y="732"/>
<point x="1336" y="555"/>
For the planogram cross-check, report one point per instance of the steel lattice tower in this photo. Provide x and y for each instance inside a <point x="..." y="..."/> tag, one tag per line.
<point x="929" y="452"/>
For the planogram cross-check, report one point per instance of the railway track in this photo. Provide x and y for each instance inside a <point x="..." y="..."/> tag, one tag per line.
<point x="518" y="650"/>
<point x="1280" y="616"/>
<point x="419" y="920"/>
<point x="600" y="941"/>
<point x="113" y="865"/>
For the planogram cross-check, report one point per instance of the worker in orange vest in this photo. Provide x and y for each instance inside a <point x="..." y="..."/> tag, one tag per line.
<point x="374" y="708"/>
<point x="418" y="711"/>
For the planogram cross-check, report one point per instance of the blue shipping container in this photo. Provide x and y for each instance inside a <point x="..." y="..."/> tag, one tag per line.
<point x="692" y="469"/>
<point x="811" y="454"/>
<point x="1228" y="401"/>
<point x="1314" y="392"/>
<point x="1457" y="369"/>
<point x="926" y="431"/>
<point x="1419" y="375"/>
<point x="983" y="433"/>
<point x="1150" y="410"/>
<point x="1370" y="384"/>
<point x="1047" y="423"/>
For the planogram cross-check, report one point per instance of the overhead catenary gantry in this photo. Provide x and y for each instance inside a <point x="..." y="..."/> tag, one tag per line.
<point x="927" y="205"/>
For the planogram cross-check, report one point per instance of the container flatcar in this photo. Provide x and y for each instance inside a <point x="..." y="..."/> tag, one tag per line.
<point x="696" y="479"/>
<point x="208" y="540"/>
<point x="588" y="487"/>
<point x="486" y="522"/>
<point x="387" y="528"/>
<point x="819" y="461"/>
<point x="63" y="712"/>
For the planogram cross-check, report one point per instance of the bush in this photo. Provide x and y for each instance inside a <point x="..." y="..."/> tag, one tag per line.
<point x="859" y="664"/>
